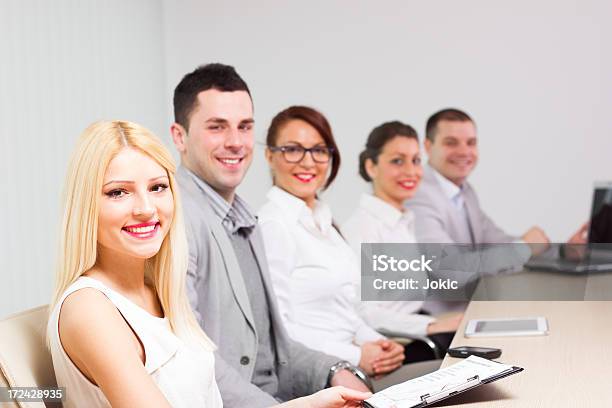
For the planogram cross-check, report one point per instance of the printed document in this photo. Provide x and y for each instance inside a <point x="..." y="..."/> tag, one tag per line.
<point x="439" y="384"/>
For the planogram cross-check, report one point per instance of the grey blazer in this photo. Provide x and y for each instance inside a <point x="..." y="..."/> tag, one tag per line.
<point x="437" y="220"/>
<point x="218" y="295"/>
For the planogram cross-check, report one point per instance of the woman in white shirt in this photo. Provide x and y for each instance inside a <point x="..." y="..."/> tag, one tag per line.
<point x="311" y="266"/>
<point x="121" y="331"/>
<point x="391" y="162"/>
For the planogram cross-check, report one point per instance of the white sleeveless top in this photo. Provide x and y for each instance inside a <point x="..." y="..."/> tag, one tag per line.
<point x="185" y="375"/>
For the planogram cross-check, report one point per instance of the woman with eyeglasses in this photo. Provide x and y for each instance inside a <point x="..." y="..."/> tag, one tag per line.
<point x="312" y="268"/>
<point x="391" y="163"/>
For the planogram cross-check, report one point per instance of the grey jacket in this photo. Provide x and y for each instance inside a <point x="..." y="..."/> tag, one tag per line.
<point x="437" y="221"/>
<point x="218" y="295"/>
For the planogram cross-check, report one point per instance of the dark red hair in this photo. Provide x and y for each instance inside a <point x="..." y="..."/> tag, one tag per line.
<point x="315" y="119"/>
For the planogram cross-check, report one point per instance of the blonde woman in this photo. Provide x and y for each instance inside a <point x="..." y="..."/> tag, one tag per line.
<point x="121" y="331"/>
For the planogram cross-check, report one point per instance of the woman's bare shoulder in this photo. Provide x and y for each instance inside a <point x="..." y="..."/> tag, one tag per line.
<point x="94" y="334"/>
<point x="87" y="308"/>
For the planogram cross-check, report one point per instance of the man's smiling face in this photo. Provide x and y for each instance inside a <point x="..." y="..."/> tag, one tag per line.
<point x="218" y="146"/>
<point x="454" y="151"/>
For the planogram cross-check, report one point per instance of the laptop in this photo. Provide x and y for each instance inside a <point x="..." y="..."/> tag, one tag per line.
<point x="596" y="255"/>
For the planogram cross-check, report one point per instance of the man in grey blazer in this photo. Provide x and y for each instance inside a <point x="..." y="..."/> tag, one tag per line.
<point x="447" y="210"/>
<point x="445" y="205"/>
<point x="227" y="281"/>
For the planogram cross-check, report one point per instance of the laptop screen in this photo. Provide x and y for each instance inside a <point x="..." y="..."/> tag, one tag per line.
<point x="600" y="230"/>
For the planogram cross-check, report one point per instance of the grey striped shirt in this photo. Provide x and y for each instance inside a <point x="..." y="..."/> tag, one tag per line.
<point x="239" y="222"/>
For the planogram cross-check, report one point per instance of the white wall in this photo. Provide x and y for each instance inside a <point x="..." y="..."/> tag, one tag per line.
<point x="534" y="75"/>
<point x="64" y="64"/>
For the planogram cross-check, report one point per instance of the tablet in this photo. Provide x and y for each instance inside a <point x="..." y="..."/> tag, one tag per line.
<point x="514" y="326"/>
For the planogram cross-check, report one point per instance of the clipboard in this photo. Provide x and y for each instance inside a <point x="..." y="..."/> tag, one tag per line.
<point x="470" y="383"/>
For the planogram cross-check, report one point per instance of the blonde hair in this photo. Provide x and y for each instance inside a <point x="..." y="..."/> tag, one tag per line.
<point x="97" y="146"/>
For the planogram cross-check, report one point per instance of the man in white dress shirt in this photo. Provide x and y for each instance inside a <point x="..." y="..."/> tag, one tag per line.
<point x="446" y="206"/>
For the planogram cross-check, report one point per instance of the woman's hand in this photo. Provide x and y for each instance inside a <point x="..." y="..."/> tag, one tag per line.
<point x="391" y="358"/>
<point x="337" y="397"/>
<point x="369" y="353"/>
<point x="381" y="356"/>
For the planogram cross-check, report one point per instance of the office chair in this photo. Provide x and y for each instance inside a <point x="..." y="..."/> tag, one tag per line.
<point x="25" y="360"/>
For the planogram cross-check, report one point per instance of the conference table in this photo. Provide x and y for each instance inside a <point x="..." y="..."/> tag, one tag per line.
<point x="571" y="366"/>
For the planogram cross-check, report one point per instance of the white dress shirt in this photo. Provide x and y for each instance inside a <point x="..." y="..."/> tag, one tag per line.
<point x="313" y="271"/>
<point x="454" y="194"/>
<point x="377" y="221"/>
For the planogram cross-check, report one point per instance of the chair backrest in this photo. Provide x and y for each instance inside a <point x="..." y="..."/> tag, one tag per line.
<point x="4" y="383"/>
<point x="25" y="360"/>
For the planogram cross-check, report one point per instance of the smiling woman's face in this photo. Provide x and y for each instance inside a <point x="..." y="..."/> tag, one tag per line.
<point x="136" y="206"/>
<point x="398" y="171"/>
<point x="305" y="178"/>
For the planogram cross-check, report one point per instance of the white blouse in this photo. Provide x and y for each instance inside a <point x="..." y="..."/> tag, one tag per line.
<point x="377" y="221"/>
<point x="312" y="270"/>
<point x="185" y="375"/>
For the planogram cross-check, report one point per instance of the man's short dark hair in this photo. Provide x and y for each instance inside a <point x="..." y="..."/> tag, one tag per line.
<point x="210" y="76"/>
<point x="450" y="114"/>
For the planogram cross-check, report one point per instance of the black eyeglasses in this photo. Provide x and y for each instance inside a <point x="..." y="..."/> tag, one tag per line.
<point x="296" y="153"/>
